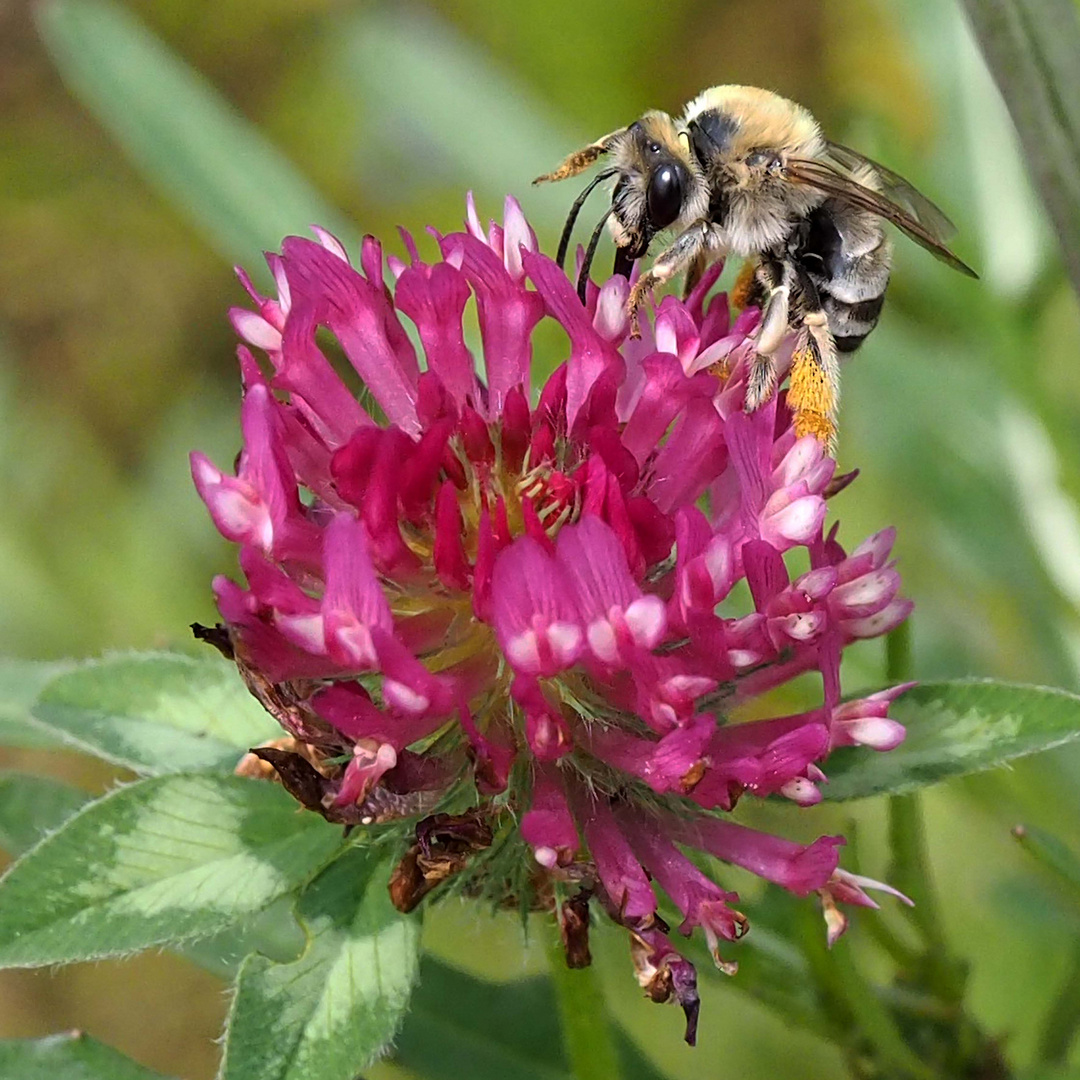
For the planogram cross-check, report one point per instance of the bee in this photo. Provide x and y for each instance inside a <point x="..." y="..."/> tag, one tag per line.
<point x="748" y="173"/>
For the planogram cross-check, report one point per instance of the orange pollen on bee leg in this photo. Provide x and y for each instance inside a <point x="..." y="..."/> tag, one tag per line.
<point x="812" y="398"/>
<point x="742" y="292"/>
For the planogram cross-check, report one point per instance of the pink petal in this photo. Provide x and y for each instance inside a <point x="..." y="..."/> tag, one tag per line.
<point x="353" y="604"/>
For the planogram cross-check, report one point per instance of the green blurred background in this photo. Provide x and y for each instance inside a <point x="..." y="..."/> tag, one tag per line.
<point x="116" y="358"/>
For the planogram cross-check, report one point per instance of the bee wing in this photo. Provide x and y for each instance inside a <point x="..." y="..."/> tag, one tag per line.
<point x="896" y="188"/>
<point x="835" y="181"/>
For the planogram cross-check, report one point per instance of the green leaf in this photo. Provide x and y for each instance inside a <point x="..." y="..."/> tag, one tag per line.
<point x="955" y="728"/>
<point x="1031" y="47"/>
<point x="156" y="712"/>
<point x="71" y="1056"/>
<point x="20" y="683"/>
<point x="31" y="806"/>
<point x="157" y="861"/>
<point x="332" y="1012"/>
<point x="463" y="1028"/>
<point x="188" y="141"/>
<point x="274" y="932"/>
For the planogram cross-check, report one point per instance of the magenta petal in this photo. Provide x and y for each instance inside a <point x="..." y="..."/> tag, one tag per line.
<point x="590" y="354"/>
<point x="592" y="560"/>
<point x="264" y="647"/>
<point x="361" y="318"/>
<point x="765" y="572"/>
<point x="261" y="505"/>
<point x="534" y="620"/>
<point x="700" y="900"/>
<point x="799" y="869"/>
<point x="620" y="873"/>
<point x="354" y="604"/>
<point x="749" y="439"/>
<point x="307" y="375"/>
<point x="878" y="547"/>
<point x="663" y="764"/>
<point x="507" y="313"/>
<point x="369" y="762"/>
<point x="349" y="708"/>
<point x="548" y="826"/>
<point x="449" y="553"/>
<point x="865" y="595"/>
<point x="693" y="456"/>
<point x="676" y="332"/>
<point x="883" y="622"/>
<point x="665" y="392"/>
<point x="434" y="297"/>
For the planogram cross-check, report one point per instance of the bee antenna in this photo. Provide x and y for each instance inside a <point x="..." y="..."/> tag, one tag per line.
<point x="590" y="251"/>
<point x="571" y="219"/>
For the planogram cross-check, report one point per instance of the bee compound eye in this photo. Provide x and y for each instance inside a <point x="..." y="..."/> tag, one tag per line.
<point x="664" y="196"/>
<point x="762" y="158"/>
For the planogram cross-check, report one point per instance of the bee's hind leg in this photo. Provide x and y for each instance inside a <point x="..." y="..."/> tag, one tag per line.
<point x="814" y="388"/>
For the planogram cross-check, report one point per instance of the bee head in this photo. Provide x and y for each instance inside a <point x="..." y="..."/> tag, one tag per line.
<point x="657" y="182"/>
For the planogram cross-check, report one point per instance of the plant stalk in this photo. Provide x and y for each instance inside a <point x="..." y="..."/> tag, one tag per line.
<point x="586" y="1024"/>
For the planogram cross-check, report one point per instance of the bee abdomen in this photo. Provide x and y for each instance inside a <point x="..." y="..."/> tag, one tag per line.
<point x="850" y="323"/>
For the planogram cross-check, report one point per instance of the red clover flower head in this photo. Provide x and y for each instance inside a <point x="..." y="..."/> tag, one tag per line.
<point x="509" y="614"/>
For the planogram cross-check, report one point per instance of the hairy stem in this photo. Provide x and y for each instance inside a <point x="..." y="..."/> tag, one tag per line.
<point x="586" y="1025"/>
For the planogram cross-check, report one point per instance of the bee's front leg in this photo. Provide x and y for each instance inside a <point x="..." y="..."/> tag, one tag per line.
<point x="686" y="248"/>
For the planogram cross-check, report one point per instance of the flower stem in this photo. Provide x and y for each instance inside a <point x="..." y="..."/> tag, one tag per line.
<point x="898" y="654"/>
<point x="910" y="870"/>
<point x="848" y="990"/>
<point x="587" y="1030"/>
<point x="1063" y="1019"/>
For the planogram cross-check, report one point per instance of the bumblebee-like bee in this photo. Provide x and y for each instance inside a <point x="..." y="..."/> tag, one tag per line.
<point x="748" y="173"/>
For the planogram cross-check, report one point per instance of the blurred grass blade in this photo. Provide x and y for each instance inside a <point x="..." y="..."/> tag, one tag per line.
<point x="443" y="104"/>
<point x="211" y="163"/>
<point x="71" y="1056"/>
<point x="1053" y="854"/>
<point x="1032" y="47"/>
<point x="1062" y="1021"/>
<point x="956" y="728"/>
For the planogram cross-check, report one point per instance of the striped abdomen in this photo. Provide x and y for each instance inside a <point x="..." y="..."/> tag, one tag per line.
<point x="848" y="256"/>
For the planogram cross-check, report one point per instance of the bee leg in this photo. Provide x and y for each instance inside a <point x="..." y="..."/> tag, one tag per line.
<point x="693" y="274"/>
<point x="685" y="248"/>
<point x="775" y="321"/>
<point x="580" y="160"/>
<point x="814" y="389"/>
<point x="760" y="382"/>
<point x="747" y="289"/>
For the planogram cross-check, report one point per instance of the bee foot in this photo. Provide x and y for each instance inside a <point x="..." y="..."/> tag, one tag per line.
<point x="760" y="383"/>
